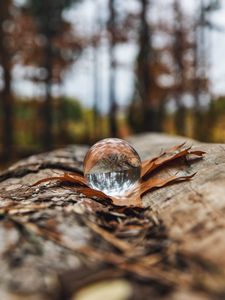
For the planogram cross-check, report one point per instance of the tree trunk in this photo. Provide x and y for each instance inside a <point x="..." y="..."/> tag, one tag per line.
<point x="7" y="109"/>
<point x="55" y="241"/>
<point x="150" y="120"/>
<point x="47" y="135"/>
<point x="201" y="82"/>
<point x="112" y="73"/>
<point x="96" y="93"/>
<point x="6" y="96"/>
<point x="179" y="50"/>
<point x="180" y="119"/>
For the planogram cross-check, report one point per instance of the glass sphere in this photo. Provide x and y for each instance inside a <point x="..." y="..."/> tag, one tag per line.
<point x="112" y="166"/>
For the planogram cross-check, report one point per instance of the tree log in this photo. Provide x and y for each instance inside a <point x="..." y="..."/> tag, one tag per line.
<point x="58" y="244"/>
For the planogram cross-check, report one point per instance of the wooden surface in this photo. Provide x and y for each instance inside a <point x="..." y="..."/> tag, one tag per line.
<point x="57" y="244"/>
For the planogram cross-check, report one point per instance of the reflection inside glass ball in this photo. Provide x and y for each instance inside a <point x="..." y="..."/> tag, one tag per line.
<point x="112" y="166"/>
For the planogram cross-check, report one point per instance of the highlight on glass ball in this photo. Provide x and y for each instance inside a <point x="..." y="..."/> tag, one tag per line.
<point x="112" y="166"/>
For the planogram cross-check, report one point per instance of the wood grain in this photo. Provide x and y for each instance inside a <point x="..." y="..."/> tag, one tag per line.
<point x="54" y="241"/>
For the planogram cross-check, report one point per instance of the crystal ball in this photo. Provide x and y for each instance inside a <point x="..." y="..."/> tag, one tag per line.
<point x="112" y="166"/>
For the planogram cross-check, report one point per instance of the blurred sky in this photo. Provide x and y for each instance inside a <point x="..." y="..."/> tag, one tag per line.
<point x="80" y="77"/>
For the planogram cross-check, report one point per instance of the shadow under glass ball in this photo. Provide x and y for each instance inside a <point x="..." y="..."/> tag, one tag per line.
<point x="112" y="166"/>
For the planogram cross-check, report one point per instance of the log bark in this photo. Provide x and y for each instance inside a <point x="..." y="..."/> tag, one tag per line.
<point x="58" y="244"/>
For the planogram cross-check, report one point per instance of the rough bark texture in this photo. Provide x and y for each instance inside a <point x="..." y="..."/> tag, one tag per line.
<point x="57" y="244"/>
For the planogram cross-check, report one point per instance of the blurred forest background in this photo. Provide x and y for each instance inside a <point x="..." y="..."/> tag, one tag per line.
<point x="76" y="71"/>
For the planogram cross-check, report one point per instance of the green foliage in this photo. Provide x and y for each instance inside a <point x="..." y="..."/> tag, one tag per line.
<point x="24" y="110"/>
<point x="69" y="109"/>
<point x="67" y="112"/>
<point x="219" y="106"/>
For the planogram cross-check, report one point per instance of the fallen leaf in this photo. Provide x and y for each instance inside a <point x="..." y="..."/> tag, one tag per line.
<point x="146" y="183"/>
<point x="151" y="165"/>
<point x="74" y="178"/>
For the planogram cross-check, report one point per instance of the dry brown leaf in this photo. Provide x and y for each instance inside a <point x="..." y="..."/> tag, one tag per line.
<point x="68" y="177"/>
<point x="151" y="165"/>
<point x="146" y="183"/>
<point x="89" y="192"/>
<point x="160" y="182"/>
